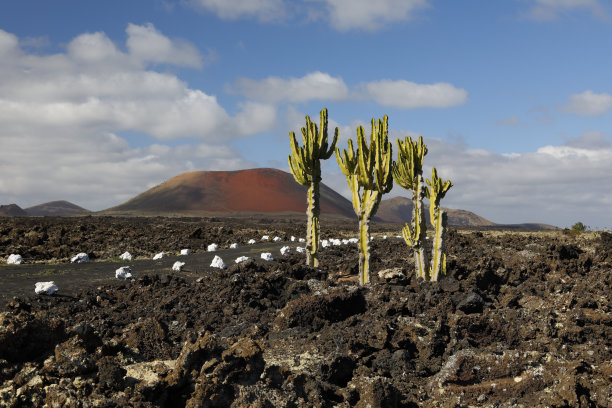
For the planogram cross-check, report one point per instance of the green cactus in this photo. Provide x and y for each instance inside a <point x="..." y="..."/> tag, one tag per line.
<point x="305" y="164"/>
<point x="436" y="191"/>
<point x="408" y="173"/>
<point x="369" y="176"/>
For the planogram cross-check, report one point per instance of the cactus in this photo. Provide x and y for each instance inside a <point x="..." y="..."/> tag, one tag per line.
<point x="408" y="173"/>
<point x="437" y="190"/>
<point x="369" y="176"/>
<point x="305" y="164"/>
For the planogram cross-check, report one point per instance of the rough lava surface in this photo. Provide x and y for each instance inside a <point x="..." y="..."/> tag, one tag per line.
<point x="522" y="319"/>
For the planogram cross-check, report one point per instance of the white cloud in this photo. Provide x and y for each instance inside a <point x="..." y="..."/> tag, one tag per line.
<point x="63" y="116"/>
<point x="322" y="86"/>
<point x="558" y="185"/>
<point x="589" y="103"/>
<point x="553" y="9"/>
<point x="370" y="15"/>
<point x="263" y="10"/>
<point x="409" y="95"/>
<point x="149" y="45"/>
<point x="315" y="85"/>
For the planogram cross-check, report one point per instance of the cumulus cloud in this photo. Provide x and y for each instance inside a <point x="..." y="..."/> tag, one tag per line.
<point x="149" y="45"/>
<point x="588" y="103"/>
<point x="63" y="116"/>
<point x="558" y="185"/>
<point x="370" y="15"/>
<point x="315" y="85"/>
<point x="263" y="10"/>
<point x="553" y="9"/>
<point x="409" y="95"/>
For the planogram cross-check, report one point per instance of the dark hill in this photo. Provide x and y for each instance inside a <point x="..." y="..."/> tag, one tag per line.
<point x="12" y="210"/>
<point x="56" y="208"/>
<point x="399" y="209"/>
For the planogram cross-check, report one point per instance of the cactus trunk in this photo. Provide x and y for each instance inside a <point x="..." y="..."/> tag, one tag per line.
<point x="438" y="263"/>
<point x="312" y="233"/>
<point x="364" y="250"/>
<point x="418" y="217"/>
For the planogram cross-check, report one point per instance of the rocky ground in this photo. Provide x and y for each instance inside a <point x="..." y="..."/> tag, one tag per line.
<point x="522" y="319"/>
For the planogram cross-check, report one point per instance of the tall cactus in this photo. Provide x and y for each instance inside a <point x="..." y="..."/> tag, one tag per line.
<point x="437" y="190"/>
<point x="305" y="164"/>
<point x="369" y="176"/>
<point x="408" y="173"/>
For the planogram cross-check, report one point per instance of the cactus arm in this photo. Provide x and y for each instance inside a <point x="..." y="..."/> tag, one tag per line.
<point x="305" y="165"/>
<point x="368" y="173"/>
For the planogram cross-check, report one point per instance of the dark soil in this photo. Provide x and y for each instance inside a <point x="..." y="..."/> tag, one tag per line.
<point x="521" y="319"/>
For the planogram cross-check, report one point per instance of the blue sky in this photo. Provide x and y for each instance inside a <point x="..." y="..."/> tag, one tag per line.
<point x="101" y="100"/>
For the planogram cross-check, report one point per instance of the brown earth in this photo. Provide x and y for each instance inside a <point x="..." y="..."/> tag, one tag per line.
<point x="254" y="191"/>
<point x="522" y="319"/>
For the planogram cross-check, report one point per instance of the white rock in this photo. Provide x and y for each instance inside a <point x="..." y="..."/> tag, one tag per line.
<point x="185" y="251"/>
<point x="80" y="258"/>
<point x="285" y="250"/>
<point x="212" y="247"/>
<point x="265" y="238"/>
<point x="217" y="262"/>
<point x="277" y="239"/>
<point x="399" y="236"/>
<point x="301" y="240"/>
<point x="293" y="238"/>
<point x="124" y="273"/>
<point x="300" y="249"/>
<point x="14" y="259"/>
<point x="345" y="242"/>
<point x="178" y="266"/>
<point x="251" y="241"/>
<point x="242" y="259"/>
<point x="126" y="256"/>
<point x="391" y="273"/>
<point x="384" y="237"/>
<point x="335" y="242"/>
<point x="324" y="243"/>
<point x="267" y="256"/>
<point x="234" y="246"/>
<point x="353" y="240"/>
<point x="159" y="256"/>
<point x="45" y="288"/>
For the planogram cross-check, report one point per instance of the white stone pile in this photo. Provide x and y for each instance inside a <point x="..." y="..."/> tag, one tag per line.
<point x="185" y="252"/>
<point x="45" y="288"/>
<point x="178" y="266"/>
<point x="217" y="262"/>
<point x="126" y="256"/>
<point x="14" y="259"/>
<point x="159" y="256"/>
<point x="242" y="259"/>
<point x="80" y="258"/>
<point x="124" y="273"/>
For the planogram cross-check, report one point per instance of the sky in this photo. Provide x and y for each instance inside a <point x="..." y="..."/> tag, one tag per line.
<point x="101" y="100"/>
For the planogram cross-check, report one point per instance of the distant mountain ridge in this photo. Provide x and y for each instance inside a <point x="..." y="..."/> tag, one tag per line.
<point x="399" y="209"/>
<point x="263" y="190"/>
<point x="57" y="208"/>
<point x="12" y="210"/>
